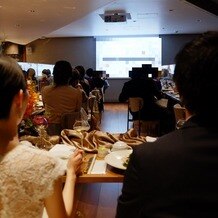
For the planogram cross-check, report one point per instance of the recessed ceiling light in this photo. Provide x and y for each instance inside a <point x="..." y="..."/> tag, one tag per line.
<point x="32" y="11"/>
<point x="71" y="8"/>
<point x="17" y="25"/>
<point x="146" y="15"/>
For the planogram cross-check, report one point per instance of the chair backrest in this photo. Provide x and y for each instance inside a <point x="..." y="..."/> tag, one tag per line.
<point x="91" y="103"/>
<point x="135" y="104"/>
<point x="150" y="128"/>
<point x="68" y="119"/>
<point x="179" y="112"/>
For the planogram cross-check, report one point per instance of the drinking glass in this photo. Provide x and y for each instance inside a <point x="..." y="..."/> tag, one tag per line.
<point x="180" y="123"/>
<point x="41" y="124"/>
<point x="81" y="126"/>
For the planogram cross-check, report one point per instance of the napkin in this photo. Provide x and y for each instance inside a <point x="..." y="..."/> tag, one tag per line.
<point x="62" y="151"/>
<point x="99" y="167"/>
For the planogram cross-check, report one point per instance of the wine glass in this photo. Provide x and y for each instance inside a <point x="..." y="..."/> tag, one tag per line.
<point x="81" y="126"/>
<point x="180" y="123"/>
<point x="41" y="124"/>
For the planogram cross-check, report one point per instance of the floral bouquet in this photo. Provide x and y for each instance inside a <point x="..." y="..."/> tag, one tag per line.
<point x="27" y="126"/>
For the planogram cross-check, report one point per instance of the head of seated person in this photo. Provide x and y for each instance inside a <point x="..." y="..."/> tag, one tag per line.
<point x="62" y="73"/>
<point x="74" y="80"/>
<point x="81" y="71"/>
<point x="198" y="62"/>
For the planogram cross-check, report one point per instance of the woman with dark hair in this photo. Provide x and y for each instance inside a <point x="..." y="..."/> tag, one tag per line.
<point x="75" y="82"/>
<point x="176" y="176"/>
<point x="30" y="178"/>
<point x="60" y="97"/>
<point x="83" y="82"/>
<point x="31" y="78"/>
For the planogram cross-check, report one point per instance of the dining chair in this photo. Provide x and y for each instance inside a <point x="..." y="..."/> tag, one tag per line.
<point x="179" y="112"/>
<point x="68" y="119"/>
<point x="53" y="129"/>
<point x="150" y="128"/>
<point x="135" y="104"/>
<point x="91" y="103"/>
<point x="97" y="104"/>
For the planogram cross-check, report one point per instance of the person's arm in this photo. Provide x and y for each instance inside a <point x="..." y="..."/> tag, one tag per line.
<point x="60" y="203"/>
<point x="106" y="85"/>
<point x="130" y="201"/>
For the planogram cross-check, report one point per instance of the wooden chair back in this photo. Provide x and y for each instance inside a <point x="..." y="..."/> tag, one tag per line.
<point x="135" y="104"/>
<point x="68" y="119"/>
<point x="179" y="112"/>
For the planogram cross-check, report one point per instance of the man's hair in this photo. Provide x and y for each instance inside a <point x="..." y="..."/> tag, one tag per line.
<point x="11" y="82"/>
<point x="62" y="73"/>
<point x="89" y="72"/>
<point x="196" y="75"/>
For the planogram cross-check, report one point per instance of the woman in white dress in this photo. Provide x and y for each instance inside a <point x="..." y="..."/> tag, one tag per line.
<point x="30" y="179"/>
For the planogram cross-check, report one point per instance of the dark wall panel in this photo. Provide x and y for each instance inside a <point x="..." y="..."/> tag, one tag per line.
<point x="171" y="45"/>
<point x="78" y="51"/>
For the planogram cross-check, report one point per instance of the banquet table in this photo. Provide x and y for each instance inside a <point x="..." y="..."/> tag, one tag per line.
<point x="96" y="194"/>
<point x="112" y="175"/>
<point x="172" y="96"/>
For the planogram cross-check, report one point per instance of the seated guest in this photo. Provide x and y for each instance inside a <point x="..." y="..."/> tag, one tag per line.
<point x="176" y="176"/>
<point x="47" y="72"/>
<point x="30" y="178"/>
<point x="88" y="75"/>
<point x="98" y="84"/>
<point x="75" y="82"/>
<point x="140" y="86"/>
<point x="45" y="79"/>
<point x="31" y="78"/>
<point x="60" y="97"/>
<point x="83" y="82"/>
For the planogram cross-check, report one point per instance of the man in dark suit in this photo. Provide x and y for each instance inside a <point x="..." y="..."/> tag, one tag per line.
<point x="146" y="88"/>
<point x="177" y="175"/>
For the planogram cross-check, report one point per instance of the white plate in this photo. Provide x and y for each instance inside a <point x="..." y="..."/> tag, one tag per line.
<point x="116" y="158"/>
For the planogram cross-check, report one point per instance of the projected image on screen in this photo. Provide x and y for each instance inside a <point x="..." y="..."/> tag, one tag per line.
<point x="117" y="56"/>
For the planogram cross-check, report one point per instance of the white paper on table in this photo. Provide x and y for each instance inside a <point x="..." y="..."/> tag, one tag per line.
<point x="63" y="152"/>
<point x="99" y="167"/>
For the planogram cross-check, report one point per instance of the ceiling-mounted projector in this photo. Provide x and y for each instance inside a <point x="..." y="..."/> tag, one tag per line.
<point x="116" y="17"/>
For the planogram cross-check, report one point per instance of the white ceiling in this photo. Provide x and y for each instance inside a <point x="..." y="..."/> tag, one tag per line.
<point x="23" y="21"/>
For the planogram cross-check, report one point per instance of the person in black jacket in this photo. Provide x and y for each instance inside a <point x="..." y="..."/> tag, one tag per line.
<point x="176" y="176"/>
<point x="146" y="88"/>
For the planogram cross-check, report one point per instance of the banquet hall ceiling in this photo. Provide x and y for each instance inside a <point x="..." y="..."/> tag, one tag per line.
<point x="23" y="21"/>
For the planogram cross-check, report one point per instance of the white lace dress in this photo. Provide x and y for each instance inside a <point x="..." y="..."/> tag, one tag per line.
<point x="26" y="178"/>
